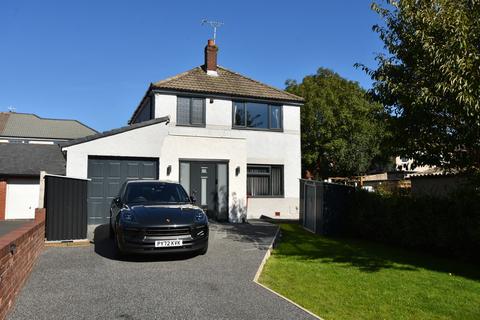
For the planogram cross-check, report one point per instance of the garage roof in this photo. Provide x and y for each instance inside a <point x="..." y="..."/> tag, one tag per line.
<point x="115" y="131"/>
<point x="28" y="125"/>
<point x="26" y="159"/>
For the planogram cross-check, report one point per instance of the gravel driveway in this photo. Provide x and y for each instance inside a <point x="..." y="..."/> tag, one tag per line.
<point x="88" y="283"/>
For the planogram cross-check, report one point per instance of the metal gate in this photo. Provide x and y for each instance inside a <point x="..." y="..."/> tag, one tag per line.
<point x="66" y="208"/>
<point x="323" y="206"/>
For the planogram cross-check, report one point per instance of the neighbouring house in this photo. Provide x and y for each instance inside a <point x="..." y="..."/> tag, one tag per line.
<point x="436" y="183"/>
<point x="390" y="180"/>
<point x="232" y="142"/>
<point x="29" y="145"/>
<point x="395" y="179"/>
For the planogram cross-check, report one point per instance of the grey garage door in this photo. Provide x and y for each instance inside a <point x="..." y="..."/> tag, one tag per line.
<point x="107" y="175"/>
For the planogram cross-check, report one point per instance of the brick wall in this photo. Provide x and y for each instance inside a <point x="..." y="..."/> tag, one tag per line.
<point x="3" y="198"/>
<point x="19" y="249"/>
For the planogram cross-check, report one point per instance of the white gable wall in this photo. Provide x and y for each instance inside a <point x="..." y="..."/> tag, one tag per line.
<point x="263" y="147"/>
<point x="142" y="142"/>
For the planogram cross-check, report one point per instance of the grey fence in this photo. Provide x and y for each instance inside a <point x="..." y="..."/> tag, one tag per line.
<point x="323" y="206"/>
<point x="66" y="208"/>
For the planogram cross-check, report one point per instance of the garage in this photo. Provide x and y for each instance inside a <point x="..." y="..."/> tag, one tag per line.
<point x="22" y="198"/>
<point x="106" y="175"/>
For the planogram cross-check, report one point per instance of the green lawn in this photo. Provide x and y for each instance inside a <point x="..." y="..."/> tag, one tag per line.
<point x="351" y="279"/>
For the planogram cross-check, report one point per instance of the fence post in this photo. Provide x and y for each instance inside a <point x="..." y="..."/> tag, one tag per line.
<point x="41" y="195"/>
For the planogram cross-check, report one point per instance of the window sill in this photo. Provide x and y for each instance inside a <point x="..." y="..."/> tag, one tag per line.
<point x="191" y="125"/>
<point x="266" y="197"/>
<point x="257" y="129"/>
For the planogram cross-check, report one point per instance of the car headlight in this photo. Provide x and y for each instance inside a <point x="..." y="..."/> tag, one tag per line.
<point x="200" y="217"/>
<point x="127" y="216"/>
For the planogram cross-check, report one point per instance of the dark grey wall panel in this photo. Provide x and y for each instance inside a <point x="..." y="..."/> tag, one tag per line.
<point x="66" y="208"/>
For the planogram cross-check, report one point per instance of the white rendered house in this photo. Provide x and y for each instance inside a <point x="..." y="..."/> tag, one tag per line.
<point x="232" y="142"/>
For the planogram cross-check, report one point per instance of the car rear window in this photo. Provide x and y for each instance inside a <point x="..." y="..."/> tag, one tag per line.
<point x="155" y="192"/>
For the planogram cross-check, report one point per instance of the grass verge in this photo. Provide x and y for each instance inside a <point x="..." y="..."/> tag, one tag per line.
<point x="352" y="279"/>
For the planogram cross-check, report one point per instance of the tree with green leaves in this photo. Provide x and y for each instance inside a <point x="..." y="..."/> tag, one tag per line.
<point x="429" y="79"/>
<point x="342" y="130"/>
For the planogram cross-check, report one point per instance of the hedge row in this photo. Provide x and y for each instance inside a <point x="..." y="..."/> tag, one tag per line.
<point x="448" y="226"/>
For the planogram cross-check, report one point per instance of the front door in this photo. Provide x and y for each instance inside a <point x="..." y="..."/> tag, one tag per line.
<point x="206" y="181"/>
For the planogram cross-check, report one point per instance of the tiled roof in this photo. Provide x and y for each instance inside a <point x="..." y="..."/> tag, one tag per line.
<point x="226" y="83"/>
<point x="25" y="159"/>
<point x="434" y="172"/>
<point x="26" y="125"/>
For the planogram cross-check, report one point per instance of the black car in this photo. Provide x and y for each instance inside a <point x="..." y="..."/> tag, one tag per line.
<point x="157" y="217"/>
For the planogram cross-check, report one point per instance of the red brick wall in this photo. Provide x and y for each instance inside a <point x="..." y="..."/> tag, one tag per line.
<point x="3" y="199"/>
<point x="211" y="56"/>
<point x="15" y="267"/>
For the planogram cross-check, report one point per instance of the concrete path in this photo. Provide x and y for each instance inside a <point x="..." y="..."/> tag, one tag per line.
<point x="88" y="283"/>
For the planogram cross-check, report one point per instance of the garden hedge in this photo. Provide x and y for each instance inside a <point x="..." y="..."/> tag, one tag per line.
<point x="448" y="226"/>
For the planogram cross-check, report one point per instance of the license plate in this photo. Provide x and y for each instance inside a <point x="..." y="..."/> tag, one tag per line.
<point x="168" y="243"/>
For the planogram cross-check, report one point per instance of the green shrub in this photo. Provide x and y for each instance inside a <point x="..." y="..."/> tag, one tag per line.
<point x="449" y="226"/>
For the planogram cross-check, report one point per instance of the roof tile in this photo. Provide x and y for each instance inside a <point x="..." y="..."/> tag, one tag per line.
<point x="29" y="159"/>
<point x="226" y="83"/>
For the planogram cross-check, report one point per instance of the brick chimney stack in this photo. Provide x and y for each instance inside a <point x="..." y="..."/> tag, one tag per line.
<point x="211" y="58"/>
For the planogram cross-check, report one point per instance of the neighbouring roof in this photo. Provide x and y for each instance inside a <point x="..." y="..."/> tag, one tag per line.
<point x="115" y="131"/>
<point x="226" y="83"/>
<point x="25" y="159"/>
<point x="27" y="125"/>
<point x="434" y="172"/>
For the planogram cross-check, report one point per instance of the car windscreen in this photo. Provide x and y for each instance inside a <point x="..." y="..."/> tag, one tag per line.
<point x="155" y="192"/>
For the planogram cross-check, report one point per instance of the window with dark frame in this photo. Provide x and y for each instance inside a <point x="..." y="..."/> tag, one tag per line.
<point x="265" y="180"/>
<point x="190" y="111"/>
<point x="260" y="116"/>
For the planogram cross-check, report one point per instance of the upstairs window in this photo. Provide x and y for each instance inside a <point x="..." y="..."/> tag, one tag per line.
<point x="264" y="181"/>
<point x="191" y="111"/>
<point x="261" y="116"/>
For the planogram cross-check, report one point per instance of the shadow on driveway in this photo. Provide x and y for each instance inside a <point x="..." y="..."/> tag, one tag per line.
<point x="256" y="232"/>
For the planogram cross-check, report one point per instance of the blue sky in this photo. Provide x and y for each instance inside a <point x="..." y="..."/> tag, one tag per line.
<point x="93" y="60"/>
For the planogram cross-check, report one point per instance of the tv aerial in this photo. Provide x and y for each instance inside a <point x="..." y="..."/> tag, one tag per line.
<point x="214" y="25"/>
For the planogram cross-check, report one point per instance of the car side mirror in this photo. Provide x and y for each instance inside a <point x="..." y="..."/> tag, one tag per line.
<point x="117" y="201"/>
<point x="193" y="199"/>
